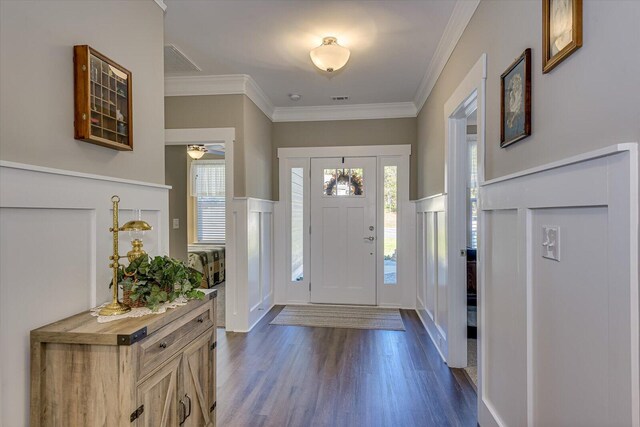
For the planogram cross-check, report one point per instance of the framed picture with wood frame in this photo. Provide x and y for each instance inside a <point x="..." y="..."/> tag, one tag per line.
<point x="103" y="100"/>
<point x="515" y="100"/>
<point x="561" y="31"/>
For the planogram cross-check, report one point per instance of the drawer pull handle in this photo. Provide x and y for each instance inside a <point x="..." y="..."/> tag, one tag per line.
<point x="163" y="344"/>
<point x="200" y="320"/>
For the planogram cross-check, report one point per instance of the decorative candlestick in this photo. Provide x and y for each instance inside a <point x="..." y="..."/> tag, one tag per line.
<point x="116" y="307"/>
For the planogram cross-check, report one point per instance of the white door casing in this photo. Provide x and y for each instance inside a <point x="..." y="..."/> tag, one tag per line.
<point x="343" y="235"/>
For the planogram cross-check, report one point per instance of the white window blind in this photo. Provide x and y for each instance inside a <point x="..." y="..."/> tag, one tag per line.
<point x="208" y="187"/>
<point x="207" y="178"/>
<point x="472" y="194"/>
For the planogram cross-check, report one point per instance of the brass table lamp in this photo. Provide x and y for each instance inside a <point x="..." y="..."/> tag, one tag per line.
<point x="116" y="307"/>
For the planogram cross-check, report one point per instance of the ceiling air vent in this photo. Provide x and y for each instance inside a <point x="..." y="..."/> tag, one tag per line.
<point x="177" y="62"/>
<point x="339" y="98"/>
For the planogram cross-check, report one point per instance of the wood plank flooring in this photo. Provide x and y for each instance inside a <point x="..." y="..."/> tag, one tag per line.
<point x="303" y="376"/>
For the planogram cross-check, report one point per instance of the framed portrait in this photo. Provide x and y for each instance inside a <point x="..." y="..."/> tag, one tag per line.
<point x="561" y="31"/>
<point x="515" y="100"/>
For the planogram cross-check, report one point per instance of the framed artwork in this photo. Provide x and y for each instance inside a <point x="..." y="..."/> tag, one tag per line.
<point x="103" y="108"/>
<point x="561" y="31"/>
<point x="515" y="100"/>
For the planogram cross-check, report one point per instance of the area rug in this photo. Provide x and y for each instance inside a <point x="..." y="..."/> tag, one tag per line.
<point x="331" y="316"/>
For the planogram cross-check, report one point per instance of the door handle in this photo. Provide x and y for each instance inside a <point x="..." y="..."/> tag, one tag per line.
<point x="184" y="412"/>
<point x="370" y="238"/>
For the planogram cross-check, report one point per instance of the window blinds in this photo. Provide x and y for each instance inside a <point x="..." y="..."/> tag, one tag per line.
<point x="208" y="187"/>
<point x="207" y="178"/>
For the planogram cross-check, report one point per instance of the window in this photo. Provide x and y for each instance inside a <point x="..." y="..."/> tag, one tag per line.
<point x="208" y="189"/>
<point x="343" y="182"/>
<point x="297" y="224"/>
<point x="472" y="196"/>
<point x="390" y="225"/>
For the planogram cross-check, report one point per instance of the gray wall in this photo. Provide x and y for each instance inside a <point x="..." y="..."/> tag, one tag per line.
<point x="344" y="133"/>
<point x="589" y="101"/>
<point x="252" y="147"/>
<point x="257" y="152"/>
<point x="36" y="83"/>
<point x="176" y="173"/>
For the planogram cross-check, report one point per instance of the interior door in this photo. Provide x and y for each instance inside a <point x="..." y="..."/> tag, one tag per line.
<point x="343" y="234"/>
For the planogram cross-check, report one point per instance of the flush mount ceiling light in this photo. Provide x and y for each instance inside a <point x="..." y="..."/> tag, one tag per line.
<point x="329" y="56"/>
<point x="196" y="151"/>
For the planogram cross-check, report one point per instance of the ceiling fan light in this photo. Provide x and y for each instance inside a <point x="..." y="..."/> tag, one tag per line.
<point x="330" y="56"/>
<point x="196" y="151"/>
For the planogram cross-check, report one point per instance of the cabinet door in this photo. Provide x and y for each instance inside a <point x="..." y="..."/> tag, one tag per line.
<point x="198" y="364"/>
<point x="159" y="395"/>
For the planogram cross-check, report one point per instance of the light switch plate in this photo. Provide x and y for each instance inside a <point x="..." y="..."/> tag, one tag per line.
<point x="176" y="223"/>
<point x="551" y="242"/>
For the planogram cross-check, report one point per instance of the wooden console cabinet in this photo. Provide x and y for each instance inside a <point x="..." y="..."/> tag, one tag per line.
<point x="157" y="370"/>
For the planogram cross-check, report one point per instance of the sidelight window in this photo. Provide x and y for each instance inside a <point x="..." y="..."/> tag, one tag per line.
<point x="390" y="224"/>
<point x="297" y="224"/>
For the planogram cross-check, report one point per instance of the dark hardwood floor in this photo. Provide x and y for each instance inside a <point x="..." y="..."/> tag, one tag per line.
<point x="302" y="376"/>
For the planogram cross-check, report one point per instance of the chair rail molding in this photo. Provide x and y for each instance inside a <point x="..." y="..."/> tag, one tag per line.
<point x="538" y="316"/>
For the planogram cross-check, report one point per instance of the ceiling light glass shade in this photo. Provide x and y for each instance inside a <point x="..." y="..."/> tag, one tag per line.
<point x="330" y="56"/>
<point x="196" y="151"/>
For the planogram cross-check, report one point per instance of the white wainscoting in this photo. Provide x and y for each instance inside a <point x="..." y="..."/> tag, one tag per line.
<point x="431" y="254"/>
<point x="559" y="339"/>
<point x="55" y="245"/>
<point x="251" y="295"/>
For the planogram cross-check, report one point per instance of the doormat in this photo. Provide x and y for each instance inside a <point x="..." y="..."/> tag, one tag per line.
<point x="331" y="316"/>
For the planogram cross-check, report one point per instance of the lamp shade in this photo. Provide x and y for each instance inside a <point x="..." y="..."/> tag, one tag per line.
<point x="330" y="56"/>
<point x="196" y="151"/>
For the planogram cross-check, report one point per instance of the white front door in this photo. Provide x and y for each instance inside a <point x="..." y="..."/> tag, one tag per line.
<point x="343" y="230"/>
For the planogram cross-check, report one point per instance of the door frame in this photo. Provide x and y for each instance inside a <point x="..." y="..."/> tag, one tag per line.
<point x="469" y="95"/>
<point x="204" y="136"/>
<point x="290" y="292"/>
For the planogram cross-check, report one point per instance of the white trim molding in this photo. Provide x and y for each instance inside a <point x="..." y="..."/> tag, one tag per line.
<point x="348" y="151"/>
<point x="297" y="292"/>
<point x="536" y="315"/>
<point x="53" y="171"/>
<point x="229" y="84"/>
<point x="242" y="84"/>
<point x="198" y="136"/>
<point x="161" y="4"/>
<point x="462" y="13"/>
<point x="392" y="110"/>
<point x="55" y="246"/>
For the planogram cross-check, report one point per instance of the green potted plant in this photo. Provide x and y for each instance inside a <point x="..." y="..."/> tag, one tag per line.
<point x="149" y="282"/>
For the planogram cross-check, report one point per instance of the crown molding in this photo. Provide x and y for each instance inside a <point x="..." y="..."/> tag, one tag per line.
<point x="161" y="4"/>
<point x="242" y="84"/>
<point x="392" y="110"/>
<point x="460" y="17"/>
<point x="229" y="84"/>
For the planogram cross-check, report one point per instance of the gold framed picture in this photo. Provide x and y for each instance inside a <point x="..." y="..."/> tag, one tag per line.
<point x="561" y="31"/>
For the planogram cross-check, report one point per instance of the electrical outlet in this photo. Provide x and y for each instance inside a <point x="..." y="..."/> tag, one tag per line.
<point x="551" y="242"/>
<point x="176" y="223"/>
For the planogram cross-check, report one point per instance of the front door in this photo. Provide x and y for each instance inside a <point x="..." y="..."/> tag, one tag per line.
<point x="343" y="234"/>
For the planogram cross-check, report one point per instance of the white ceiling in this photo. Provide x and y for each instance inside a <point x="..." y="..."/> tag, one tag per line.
<point x="392" y="45"/>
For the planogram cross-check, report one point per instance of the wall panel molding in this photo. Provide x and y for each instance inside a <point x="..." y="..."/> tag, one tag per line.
<point x="432" y="269"/>
<point x="55" y="244"/>
<point x="252" y="294"/>
<point x="544" y="323"/>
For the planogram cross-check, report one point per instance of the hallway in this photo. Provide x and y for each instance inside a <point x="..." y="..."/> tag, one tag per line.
<point x="300" y="376"/>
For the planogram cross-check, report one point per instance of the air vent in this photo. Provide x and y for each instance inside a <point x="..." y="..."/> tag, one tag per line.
<point x="339" y="98"/>
<point x="177" y="62"/>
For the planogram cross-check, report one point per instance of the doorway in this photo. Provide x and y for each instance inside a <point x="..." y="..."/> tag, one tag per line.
<point x="343" y="226"/>
<point x="343" y="230"/>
